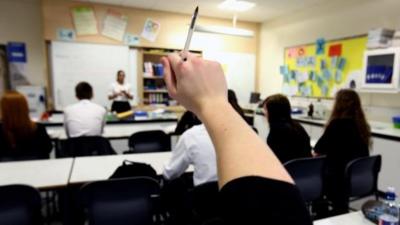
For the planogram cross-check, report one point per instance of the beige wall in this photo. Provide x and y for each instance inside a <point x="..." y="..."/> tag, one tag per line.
<point x="20" y="20"/>
<point x="334" y="20"/>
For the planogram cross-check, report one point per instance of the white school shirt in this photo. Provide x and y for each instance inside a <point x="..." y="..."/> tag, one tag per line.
<point x="195" y="148"/>
<point x="84" y="118"/>
<point x="118" y="88"/>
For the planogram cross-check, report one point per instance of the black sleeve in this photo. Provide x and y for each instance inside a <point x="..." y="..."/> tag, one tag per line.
<point x="257" y="200"/>
<point x="44" y="140"/>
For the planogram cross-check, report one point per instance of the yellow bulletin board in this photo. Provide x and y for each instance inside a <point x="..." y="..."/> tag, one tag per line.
<point x="322" y="68"/>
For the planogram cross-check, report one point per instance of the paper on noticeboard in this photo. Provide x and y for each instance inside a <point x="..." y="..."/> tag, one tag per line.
<point x="115" y="25"/>
<point x="84" y="20"/>
<point x="150" y="30"/>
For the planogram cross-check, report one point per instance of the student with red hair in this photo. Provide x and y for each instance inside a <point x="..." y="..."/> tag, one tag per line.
<point x="20" y="137"/>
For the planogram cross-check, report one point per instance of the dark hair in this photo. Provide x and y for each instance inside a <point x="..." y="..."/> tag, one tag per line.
<point x="278" y="108"/>
<point x="348" y="106"/>
<point x="120" y="71"/>
<point x="83" y="91"/>
<point x="232" y="99"/>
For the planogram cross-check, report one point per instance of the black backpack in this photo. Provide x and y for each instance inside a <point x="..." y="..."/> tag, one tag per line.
<point x="134" y="169"/>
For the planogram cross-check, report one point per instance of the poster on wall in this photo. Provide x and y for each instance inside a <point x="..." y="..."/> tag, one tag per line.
<point x="17" y="58"/>
<point x="132" y="39"/>
<point x="84" y="20"/>
<point x="150" y="30"/>
<point x="330" y="65"/>
<point x="114" y="25"/>
<point x="65" y="34"/>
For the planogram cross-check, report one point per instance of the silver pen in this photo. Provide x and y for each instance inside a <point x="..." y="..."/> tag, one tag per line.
<point x="190" y="34"/>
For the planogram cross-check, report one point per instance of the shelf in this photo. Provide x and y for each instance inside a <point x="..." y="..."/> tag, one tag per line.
<point x="155" y="91"/>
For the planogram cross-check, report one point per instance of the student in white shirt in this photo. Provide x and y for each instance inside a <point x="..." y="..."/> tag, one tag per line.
<point x="195" y="148"/>
<point x="120" y="93"/>
<point x="84" y="118"/>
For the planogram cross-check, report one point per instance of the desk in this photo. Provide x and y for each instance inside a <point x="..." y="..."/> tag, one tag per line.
<point x="41" y="174"/>
<point x="120" y="130"/>
<point x="94" y="168"/>
<point x="355" y="218"/>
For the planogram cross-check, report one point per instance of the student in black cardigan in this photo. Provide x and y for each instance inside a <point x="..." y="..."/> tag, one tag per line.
<point x="20" y="138"/>
<point x="347" y="136"/>
<point x="287" y="138"/>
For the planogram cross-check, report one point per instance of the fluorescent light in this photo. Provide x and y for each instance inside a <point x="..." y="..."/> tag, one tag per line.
<point x="224" y="30"/>
<point x="236" y="5"/>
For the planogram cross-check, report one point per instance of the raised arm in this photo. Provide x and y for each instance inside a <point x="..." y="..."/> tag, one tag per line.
<point x="200" y="86"/>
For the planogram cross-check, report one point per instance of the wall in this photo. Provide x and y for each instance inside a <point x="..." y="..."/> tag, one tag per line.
<point x="173" y="27"/>
<point x="20" y="20"/>
<point x="332" y="20"/>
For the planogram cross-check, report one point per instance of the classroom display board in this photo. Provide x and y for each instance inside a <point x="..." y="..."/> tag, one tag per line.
<point x="240" y="71"/>
<point x="96" y="64"/>
<point x="323" y="68"/>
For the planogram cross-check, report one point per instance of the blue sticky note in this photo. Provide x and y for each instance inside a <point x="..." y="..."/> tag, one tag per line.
<point x="320" y="46"/>
<point x="334" y="61"/>
<point x="325" y="90"/>
<point x="327" y="74"/>
<point x="338" y="76"/>
<point x="341" y="63"/>
<point x="301" y="61"/>
<point x="293" y="74"/>
<point x="323" y="64"/>
<point x="320" y="81"/>
<point x="311" y="61"/>
<point x="312" y="75"/>
<point x="284" y="70"/>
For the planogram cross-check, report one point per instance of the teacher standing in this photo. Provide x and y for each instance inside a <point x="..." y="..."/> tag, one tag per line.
<point x="120" y="93"/>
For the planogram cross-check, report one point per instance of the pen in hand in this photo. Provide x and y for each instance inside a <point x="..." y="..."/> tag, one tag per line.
<point x="190" y="34"/>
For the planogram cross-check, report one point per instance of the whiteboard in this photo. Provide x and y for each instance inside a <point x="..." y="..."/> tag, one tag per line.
<point x="96" y="64"/>
<point x="240" y="71"/>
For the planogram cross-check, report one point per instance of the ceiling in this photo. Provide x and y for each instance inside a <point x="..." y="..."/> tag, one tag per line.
<point x="263" y="11"/>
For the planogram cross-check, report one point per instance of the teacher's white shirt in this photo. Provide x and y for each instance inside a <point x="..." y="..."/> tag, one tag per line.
<point x="117" y="88"/>
<point x="84" y="118"/>
<point x="195" y="148"/>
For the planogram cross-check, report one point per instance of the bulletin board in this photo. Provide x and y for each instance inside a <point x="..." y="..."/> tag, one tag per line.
<point x="324" y="67"/>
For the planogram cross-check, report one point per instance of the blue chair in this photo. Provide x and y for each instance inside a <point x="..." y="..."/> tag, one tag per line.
<point x="361" y="176"/>
<point x="20" y="205"/>
<point x="307" y="173"/>
<point x="121" y="201"/>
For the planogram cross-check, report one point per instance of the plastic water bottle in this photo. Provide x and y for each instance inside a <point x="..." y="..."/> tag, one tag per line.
<point x="390" y="214"/>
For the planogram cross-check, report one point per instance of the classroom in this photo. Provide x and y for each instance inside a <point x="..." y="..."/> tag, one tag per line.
<point x="192" y="112"/>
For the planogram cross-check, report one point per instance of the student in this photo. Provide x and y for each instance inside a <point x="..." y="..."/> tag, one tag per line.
<point x="254" y="186"/>
<point x="120" y="93"/>
<point x="346" y="137"/>
<point x="20" y="138"/>
<point x="187" y="121"/>
<point x="84" y="118"/>
<point x="195" y="147"/>
<point x="287" y="138"/>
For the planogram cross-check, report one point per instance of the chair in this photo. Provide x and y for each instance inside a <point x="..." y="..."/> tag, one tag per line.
<point x="149" y="141"/>
<point x="20" y="205"/>
<point x="120" y="201"/>
<point x="205" y="201"/>
<point x="85" y="146"/>
<point x="361" y="176"/>
<point x="308" y="176"/>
